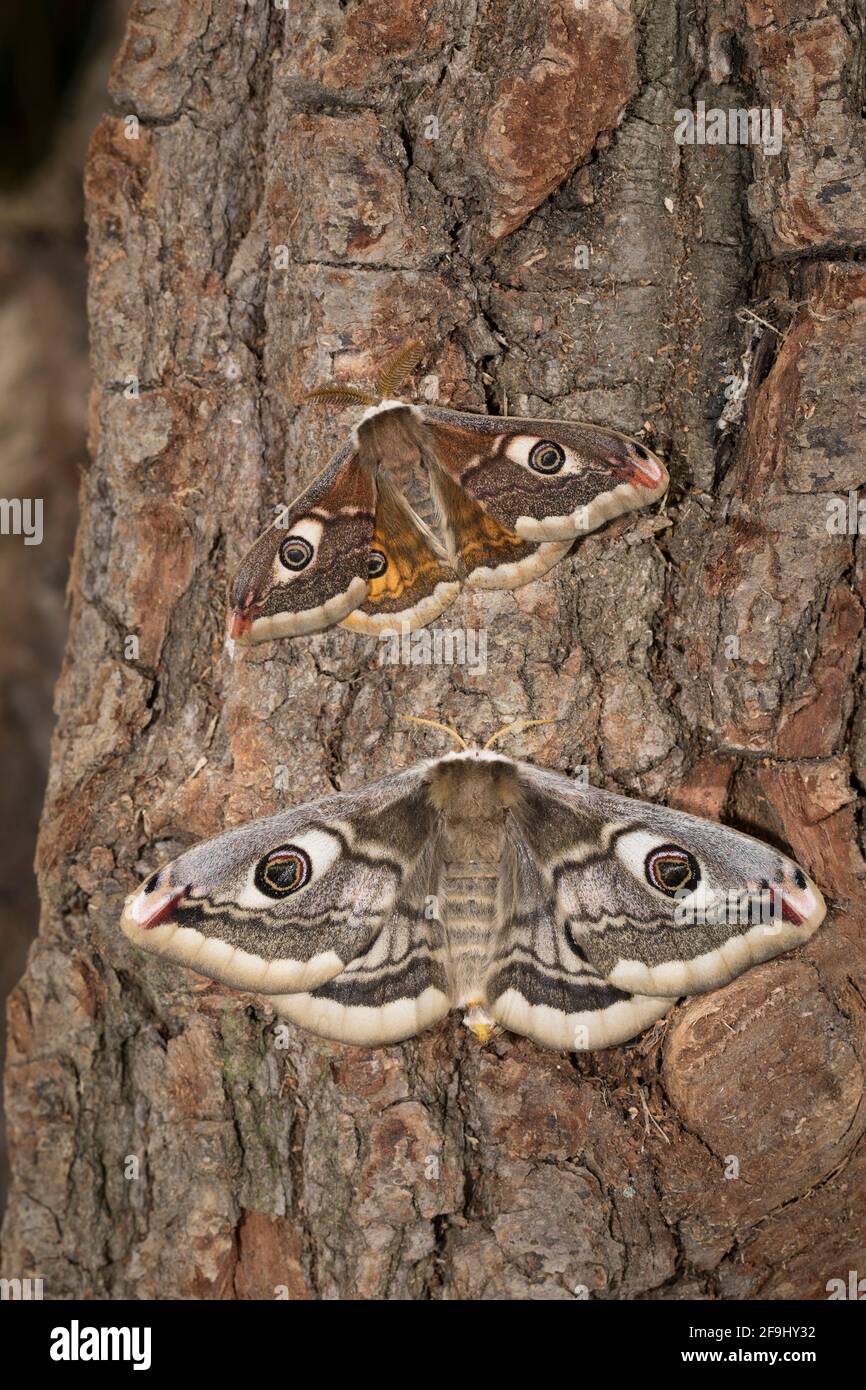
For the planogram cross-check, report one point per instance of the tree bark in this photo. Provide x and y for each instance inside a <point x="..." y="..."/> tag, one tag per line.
<point x="433" y="169"/>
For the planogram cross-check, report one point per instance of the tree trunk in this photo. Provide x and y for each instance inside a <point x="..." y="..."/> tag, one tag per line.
<point x="302" y="193"/>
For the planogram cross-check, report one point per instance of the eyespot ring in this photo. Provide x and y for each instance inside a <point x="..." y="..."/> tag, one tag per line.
<point x="547" y="456"/>
<point x="377" y="563"/>
<point x="671" y="870"/>
<point x="295" y="553"/>
<point x="283" y="871"/>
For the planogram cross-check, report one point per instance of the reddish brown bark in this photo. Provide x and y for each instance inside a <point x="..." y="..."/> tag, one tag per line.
<point x="439" y="1168"/>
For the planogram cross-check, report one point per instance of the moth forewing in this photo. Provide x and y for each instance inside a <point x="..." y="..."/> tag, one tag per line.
<point x="309" y="569"/>
<point x="544" y="480"/>
<point x="620" y="868"/>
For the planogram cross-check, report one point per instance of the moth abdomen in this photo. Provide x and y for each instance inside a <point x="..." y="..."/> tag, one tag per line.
<point x="469" y="890"/>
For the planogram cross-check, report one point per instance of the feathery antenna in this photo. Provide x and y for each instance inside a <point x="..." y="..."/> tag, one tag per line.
<point x="394" y="372"/>
<point x="340" y="395"/>
<point x="397" y="368"/>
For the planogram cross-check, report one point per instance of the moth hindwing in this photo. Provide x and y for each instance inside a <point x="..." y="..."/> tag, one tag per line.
<point x="474" y="882"/>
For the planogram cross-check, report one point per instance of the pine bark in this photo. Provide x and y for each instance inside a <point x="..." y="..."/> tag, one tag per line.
<point x="303" y="192"/>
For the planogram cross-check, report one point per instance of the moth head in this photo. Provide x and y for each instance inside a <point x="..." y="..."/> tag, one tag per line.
<point x="391" y="430"/>
<point x="474" y="785"/>
<point x="247" y="907"/>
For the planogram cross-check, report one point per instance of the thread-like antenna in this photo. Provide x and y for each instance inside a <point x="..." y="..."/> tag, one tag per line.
<point x="434" y="724"/>
<point x="517" y="727"/>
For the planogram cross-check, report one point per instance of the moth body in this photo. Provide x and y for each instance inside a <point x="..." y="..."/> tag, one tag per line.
<point x="390" y="443"/>
<point x="560" y="911"/>
<point x="376" y="415"/>
<point x="473" y="802"/>
<point x="423" y="501"/>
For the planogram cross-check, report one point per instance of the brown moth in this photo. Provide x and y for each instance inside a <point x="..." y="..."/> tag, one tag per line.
<point x="507" y="497"/>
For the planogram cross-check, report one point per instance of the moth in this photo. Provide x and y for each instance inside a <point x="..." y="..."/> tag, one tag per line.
<point x="508" y="497"/>
<point x="475" y="882"/>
